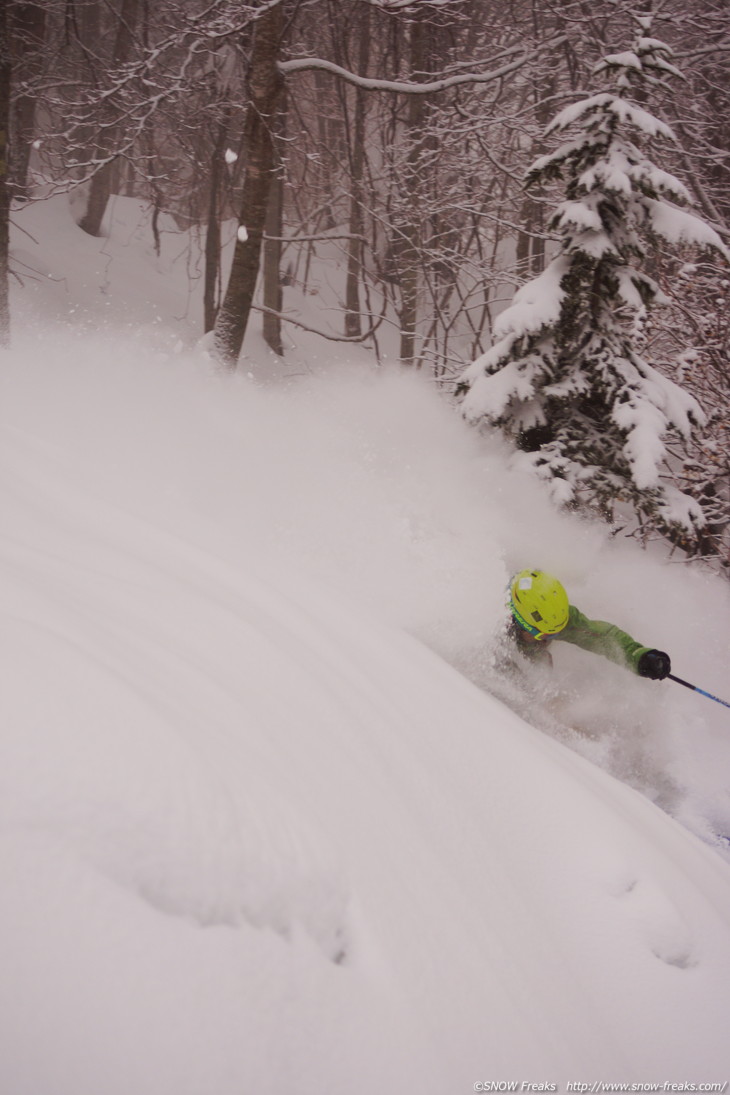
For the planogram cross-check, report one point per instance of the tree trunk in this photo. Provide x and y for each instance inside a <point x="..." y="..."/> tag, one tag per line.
<point x="530" y="241"/>
<point x="213" y="227"/>
<point x="265" y="85"/>
<point x="273" y="248"/>
<point x="273" y="293"/>
<point x="103" y="179"/>
<point x="100" y="190"/>
<point x="322" y="166"/>
<point x="28" y="33"/>
<point x="4" y="191"/>
<point x="409" y="237"/>
<point x="353" y="326"/>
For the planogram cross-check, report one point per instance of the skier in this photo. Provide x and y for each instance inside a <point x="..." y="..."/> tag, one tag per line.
<point x="541" y="613"/>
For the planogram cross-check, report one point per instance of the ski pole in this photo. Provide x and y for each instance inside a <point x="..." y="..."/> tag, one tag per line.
<point x="696" y="689"/>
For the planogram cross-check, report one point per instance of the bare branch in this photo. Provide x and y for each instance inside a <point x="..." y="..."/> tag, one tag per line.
<point x="313" y="330"/>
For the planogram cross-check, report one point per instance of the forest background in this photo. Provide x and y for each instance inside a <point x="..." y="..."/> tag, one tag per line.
<point x="399" y="132"/>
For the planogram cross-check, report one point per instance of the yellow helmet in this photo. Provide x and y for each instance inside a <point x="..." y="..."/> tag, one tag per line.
<point x="538" y="603"/>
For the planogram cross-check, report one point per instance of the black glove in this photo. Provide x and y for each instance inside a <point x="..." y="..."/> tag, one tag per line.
<point x="654" y="664"/>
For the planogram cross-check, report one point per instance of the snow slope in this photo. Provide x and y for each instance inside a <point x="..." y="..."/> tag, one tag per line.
<point x="256" y="833"/>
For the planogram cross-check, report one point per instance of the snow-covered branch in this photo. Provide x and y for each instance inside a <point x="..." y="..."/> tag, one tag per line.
<point x="404" y="87"/>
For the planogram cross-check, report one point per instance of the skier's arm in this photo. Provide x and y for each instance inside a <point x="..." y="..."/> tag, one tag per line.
<point x="600" y="637"/>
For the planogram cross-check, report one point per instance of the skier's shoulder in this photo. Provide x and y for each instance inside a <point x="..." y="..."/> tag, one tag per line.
<point x="583" y="631"/>
<point x="578" y="623"/>
<point x="577" y="620"/>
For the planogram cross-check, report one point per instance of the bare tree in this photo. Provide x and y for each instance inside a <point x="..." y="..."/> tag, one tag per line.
<point x="264" y="86"/>
<point x="414" y="175"/>
<point x="27" y="34"/>
<point x="211" y="276"/>
<point x="5" y="69"/>
<point x="273" y="247"/>
<point x="101" y="182"/>
<point x="353" y="325"/>
<point x="421" y="209"/>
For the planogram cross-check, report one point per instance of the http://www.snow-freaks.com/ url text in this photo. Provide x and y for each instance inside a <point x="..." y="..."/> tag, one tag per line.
<point x="599" y="1087"/>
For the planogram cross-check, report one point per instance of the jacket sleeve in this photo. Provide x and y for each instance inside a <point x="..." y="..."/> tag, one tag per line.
<point x="600" y="637"/>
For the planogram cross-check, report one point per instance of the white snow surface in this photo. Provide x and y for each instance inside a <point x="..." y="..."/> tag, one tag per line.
<point x="264" y="826"/>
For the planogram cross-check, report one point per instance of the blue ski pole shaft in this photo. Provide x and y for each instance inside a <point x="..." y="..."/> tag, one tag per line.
<point x="701" y="691"/>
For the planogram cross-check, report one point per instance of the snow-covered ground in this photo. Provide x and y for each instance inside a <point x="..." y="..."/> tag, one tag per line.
<point x="264" y="824"/>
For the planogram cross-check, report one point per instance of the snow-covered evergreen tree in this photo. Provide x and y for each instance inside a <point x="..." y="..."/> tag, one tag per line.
<point x="691" y="341"/>
<point x="565" y="378"/>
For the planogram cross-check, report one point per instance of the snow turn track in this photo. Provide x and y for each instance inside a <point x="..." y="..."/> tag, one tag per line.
<point x="255" y="839"/>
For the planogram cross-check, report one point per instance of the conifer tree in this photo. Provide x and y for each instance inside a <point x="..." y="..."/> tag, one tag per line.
<point x="566" y="379"/>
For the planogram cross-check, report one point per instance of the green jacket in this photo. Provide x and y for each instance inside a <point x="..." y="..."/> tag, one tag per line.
<point x="597" y="636"/>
